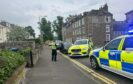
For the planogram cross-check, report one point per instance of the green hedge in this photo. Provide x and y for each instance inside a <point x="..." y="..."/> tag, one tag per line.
<point x="9" y="62"/>
<point x="25" y="51"/>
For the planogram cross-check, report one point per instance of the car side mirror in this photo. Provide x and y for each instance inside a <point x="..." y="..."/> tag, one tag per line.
<point x="103" y="48"/>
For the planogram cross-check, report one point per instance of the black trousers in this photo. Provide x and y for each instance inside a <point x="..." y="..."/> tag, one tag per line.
<point x="54" y="55"/>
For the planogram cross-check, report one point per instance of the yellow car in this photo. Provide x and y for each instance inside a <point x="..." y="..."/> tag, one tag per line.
<point x="80" y="48"/>
<point x="116" y="56"/>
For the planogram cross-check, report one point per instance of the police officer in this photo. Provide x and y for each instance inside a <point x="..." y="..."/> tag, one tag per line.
<point x="54" y="51"/>
<point x="91" y="45"/>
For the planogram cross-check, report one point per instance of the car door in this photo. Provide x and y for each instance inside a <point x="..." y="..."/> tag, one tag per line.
<point x="110" y="54"/>
<point x="127" y="55"/>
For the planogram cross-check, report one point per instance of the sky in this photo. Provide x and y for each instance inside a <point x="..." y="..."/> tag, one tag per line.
<point x="28" y="12"/>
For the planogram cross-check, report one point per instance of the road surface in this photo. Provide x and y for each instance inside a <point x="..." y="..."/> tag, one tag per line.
<point x="116" y="78"/>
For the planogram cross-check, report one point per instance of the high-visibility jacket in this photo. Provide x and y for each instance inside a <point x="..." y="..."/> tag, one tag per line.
<point x="53" y="46"/>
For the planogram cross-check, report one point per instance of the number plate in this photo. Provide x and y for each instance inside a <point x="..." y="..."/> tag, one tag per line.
<point x="76" y="52"/>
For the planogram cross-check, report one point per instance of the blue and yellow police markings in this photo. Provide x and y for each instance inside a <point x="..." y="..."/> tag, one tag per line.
<point x="103" y="56"/>
<point x="121" y="60"/>
<point x="109" y="58"/>
<point x="127" y="61"/>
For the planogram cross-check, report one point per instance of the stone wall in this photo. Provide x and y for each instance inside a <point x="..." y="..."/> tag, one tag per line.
<point x="18" y="77"/>
<point x="17" y="44"/>
<point x="36" y="49"/>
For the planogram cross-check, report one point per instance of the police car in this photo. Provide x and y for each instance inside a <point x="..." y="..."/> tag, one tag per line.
<point x="80" y="48"/>
<point x="116" y="56"/>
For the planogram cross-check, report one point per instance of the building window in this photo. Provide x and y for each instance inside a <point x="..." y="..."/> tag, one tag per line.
<point x="115" y="34"/>
<point x="107" y="19"/>
<point x="80" y="30"/>
<point x="83" y="30"/>
<point x="107" y="28"/>
<point x="107" y="37"/>
<point x="74" y="24"/>
<point x="83" y="21"/>
<point x="77" y="31"/>
<point x="79" y="23"/>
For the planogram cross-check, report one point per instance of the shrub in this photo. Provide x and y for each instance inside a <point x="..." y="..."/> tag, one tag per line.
<point x="10" y="62"/>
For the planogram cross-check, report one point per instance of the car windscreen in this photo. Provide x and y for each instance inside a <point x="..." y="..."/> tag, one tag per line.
<point x="81" y="42"/>
<point x="67" y="45"/>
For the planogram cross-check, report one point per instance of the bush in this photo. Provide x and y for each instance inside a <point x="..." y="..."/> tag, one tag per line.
<point x="10" y="62"/>
<point x="27" y="53"/>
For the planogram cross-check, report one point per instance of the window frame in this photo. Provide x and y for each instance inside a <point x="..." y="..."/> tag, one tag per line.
<point x="108" y="38"/>
<point x="125" y="42"/>
<point x="107" y="19"/>
<point x="107" y="28"/>
<point x="112" y="41"/>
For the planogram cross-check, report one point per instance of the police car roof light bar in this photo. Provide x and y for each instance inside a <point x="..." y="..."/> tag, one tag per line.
<point x="130" y="32"/>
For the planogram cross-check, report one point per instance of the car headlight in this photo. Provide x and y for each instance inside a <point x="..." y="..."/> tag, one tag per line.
<point x="69" y="50"/>
<point x="84" y="48"/>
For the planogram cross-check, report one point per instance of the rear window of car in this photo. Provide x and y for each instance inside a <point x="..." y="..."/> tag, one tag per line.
<point x="128" y="43"/>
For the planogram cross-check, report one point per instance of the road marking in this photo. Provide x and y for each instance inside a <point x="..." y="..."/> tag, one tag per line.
<point x="92" y="72"/>
<point x="87" y="75"/>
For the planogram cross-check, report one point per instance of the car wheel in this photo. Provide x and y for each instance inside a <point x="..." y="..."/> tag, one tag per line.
<point x="94" y="63"/>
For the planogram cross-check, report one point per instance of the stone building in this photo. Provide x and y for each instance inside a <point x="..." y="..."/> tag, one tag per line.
<point x="6" y="27"/>
<point x="119" y="28"/>
<point x="95" y="24"/>
<point x="74" y="28"/>
<point x="129" y="19"/>
<point x="122" y="27"/>
<point x="3" y="33"/>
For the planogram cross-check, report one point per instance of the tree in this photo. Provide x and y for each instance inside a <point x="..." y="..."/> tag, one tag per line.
<point x="17" y="34"/>
<point x="30" y="30"/>
<point x="57" y="26"/>
<point x="46" y="30"/>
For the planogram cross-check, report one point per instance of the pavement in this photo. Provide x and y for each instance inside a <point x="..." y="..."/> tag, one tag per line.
<point x="61" y="72"/>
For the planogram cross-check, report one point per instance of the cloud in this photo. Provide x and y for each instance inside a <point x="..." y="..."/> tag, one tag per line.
<point x="120" y="7"/>
<point x="27" y="12"/>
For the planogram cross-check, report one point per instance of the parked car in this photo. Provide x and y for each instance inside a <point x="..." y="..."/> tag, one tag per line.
<point x="65" y="47"/>
<point x="59" y="44"/>
<point x="81" y="48"/>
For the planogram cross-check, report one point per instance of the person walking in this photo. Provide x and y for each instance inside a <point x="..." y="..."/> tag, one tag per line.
<point x="54" y="51"/>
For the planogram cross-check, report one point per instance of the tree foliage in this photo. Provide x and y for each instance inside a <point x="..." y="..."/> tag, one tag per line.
<point x="57" y="26"/>
<point x="46" y="30"/>
<point x="17" y="34"/>
<point x="30" y="30"/>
